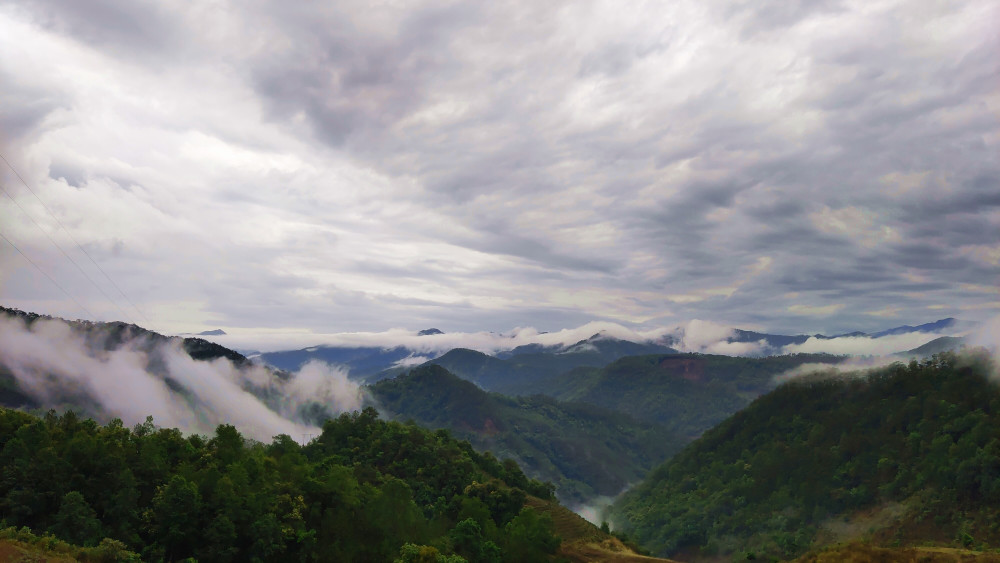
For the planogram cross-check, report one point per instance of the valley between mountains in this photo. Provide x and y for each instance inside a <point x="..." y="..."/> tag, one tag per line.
<point x="337" y="454"/>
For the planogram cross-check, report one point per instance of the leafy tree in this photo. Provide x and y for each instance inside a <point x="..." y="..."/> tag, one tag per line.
<point x="412" y="553"/>
<point x="530" y="537"/>
<point x="76" y="521"/>
<point x="176" y="511"/>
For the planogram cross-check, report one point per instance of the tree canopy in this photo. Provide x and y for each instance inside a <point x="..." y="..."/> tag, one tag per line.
<point x="364" y="490"/>
<point x="926" y="433"/>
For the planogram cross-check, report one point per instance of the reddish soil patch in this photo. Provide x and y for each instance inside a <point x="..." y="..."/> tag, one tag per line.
<point x="692" y="369"/>
<point x="9" y="553"/>
<point x="489" y="427"/>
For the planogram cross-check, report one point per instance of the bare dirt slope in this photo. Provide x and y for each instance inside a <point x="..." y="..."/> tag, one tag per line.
<point x="17" y="552"/>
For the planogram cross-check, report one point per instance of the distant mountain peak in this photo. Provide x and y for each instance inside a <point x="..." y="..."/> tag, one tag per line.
<point x="216" y="332"/>
<point x="935" y="326"/>
<point x="429" y="332"/>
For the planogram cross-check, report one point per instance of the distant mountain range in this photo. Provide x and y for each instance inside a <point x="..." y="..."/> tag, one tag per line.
<point x="936" y="326"/>
<point x="774" y="343"/>
<point x="508" y="370"/>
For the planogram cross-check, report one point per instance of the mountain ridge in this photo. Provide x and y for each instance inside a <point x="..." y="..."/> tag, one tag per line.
<point x="369" y="363"/>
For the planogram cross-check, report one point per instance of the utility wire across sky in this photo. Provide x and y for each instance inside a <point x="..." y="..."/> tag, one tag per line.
<point x="51" y="279"/>
<point x="65" y="254"/>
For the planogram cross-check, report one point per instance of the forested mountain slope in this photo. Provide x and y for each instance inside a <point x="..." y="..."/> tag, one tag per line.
<point x="687" y="393"/>
<point x="920" y="442"/>
<point x="584" y="450"/>
<point x="363" y="490"/>
<point x="936" y="346"/>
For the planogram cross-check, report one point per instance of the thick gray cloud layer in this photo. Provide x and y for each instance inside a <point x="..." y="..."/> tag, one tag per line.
<point x="795" y="166"/>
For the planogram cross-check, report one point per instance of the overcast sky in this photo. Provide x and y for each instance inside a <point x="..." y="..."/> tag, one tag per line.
<point x="793" y="166"/>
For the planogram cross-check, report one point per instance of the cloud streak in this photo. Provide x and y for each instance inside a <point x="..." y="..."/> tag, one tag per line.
<point x="862" y="345"/>
<point x="879" y="351"/>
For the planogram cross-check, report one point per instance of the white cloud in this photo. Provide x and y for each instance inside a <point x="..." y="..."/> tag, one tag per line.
<point x="862" y="345"/>
<point x="987" y="335"/>
<point x="54" y="364"/>
<point x="854" y="367"/>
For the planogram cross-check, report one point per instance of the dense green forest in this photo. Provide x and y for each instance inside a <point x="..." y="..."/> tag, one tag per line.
<point x="687" y="393"/>
<point x="924" y="435"/>
<point x="583" y="449"/>
<point x="363" y="490"/>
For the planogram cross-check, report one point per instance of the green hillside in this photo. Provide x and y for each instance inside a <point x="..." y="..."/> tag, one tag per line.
<point x="584" y="450"/>
<point x="687" y="393"/>
<point x="524" y="372"/>
<point x="910" y="453"/>
<point x="936" y="346"/>
<point x="364" y="490"/>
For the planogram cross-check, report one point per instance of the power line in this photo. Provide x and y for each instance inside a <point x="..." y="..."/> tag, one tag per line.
<point x="64" y="253"/>
<point x="30" y="261"/>
<point x="78" y="245"/>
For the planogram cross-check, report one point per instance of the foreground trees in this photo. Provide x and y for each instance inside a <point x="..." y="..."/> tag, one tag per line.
<point x="365" y="489"/>
<point x="925" y="435"/>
